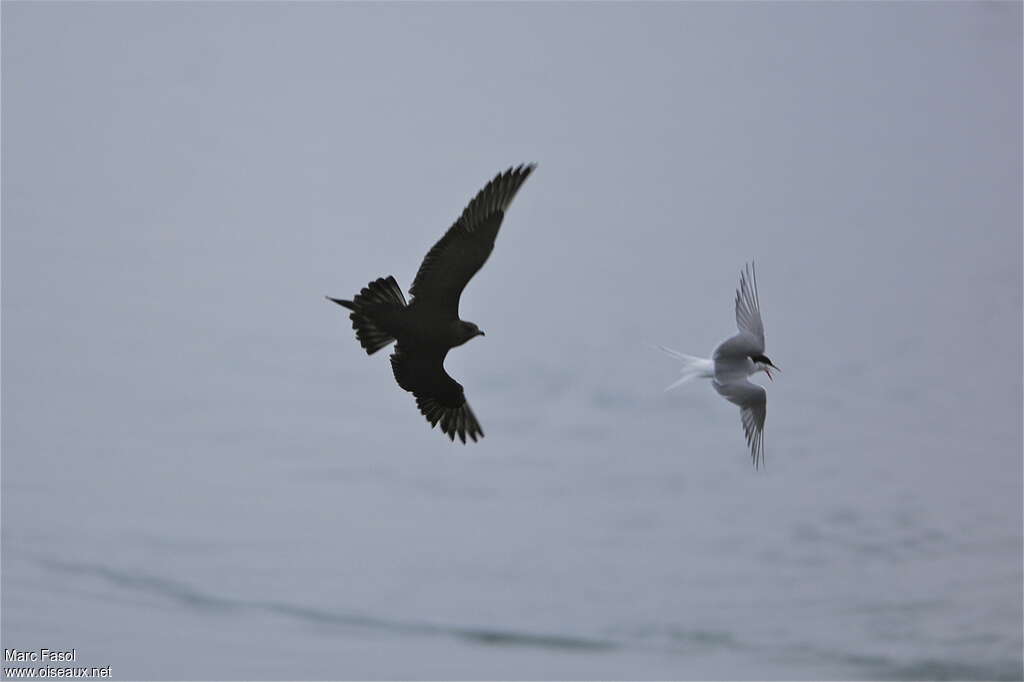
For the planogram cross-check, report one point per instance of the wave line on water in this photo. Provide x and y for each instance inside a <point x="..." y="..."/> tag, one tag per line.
<point x="190" y="597"/>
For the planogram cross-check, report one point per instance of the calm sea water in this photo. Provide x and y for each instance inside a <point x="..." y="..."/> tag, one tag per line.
<point x="602" y="529"/>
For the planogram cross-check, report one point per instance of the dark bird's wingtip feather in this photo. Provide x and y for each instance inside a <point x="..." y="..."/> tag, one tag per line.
<point x="523" y="169"/>
<point x="516" y="173"/>
<point x="454" y="421"/>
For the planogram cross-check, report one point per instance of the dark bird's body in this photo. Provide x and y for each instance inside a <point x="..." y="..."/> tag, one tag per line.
<point x="429" y="326"/>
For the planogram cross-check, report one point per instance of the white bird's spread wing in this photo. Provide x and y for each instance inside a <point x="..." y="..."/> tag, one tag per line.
<point x="748" y="307"/>
<point x="752" y="400"/>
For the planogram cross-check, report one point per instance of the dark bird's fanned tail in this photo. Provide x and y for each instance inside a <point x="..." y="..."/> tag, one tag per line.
<point x="370" y="310"/>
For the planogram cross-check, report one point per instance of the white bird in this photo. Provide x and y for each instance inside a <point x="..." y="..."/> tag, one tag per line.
<point x="733" y="361"/>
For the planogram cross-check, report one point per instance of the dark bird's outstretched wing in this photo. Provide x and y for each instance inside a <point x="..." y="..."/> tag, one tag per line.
<point x="464" y="248"/>
<point x="439" y="397"/>
<point x="752" y="400"/>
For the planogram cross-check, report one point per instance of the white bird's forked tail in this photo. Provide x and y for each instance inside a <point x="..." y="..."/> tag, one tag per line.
<point x="692" y="368"/>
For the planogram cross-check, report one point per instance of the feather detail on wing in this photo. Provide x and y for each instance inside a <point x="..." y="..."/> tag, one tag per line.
<point x="465" y="247"/>
<point x="752" y="400"/>
<point x="748" y="306"/>
<point x="454" y="421"/>
<point x="439" y="397"/>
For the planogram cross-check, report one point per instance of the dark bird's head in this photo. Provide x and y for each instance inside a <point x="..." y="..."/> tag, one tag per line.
<point x="466" y="331"/>
<point x="763" y="364"/>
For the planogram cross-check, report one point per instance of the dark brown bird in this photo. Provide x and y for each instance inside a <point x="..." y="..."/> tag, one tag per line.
<point x="429" y="326"/>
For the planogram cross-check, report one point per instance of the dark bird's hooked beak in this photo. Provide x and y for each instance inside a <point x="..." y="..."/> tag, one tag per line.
<point x="480" y="332"/>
